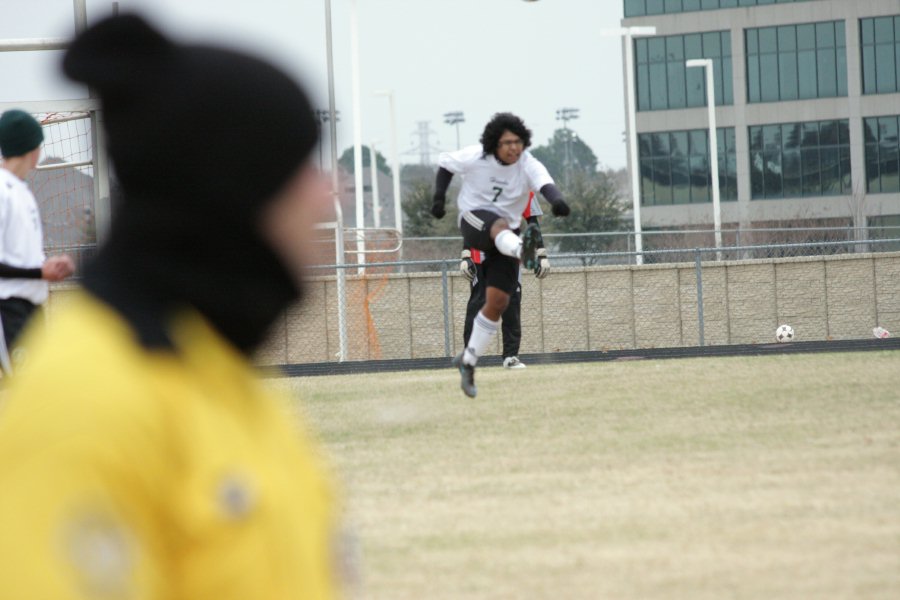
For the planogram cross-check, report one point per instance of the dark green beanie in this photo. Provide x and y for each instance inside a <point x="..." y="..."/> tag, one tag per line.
<point x="20" y="133"/>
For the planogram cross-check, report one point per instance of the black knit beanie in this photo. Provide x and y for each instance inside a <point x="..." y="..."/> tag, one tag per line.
<point x="201" y="139"/>
<point x="20" y="133"/>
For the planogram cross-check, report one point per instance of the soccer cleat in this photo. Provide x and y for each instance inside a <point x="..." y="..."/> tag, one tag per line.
<point x="531" y="241"/>
<point x="513" y="362"/>
<point x="467" y="376"/>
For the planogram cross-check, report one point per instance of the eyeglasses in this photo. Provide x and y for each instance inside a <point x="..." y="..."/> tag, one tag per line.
<point x="511" y="143"/>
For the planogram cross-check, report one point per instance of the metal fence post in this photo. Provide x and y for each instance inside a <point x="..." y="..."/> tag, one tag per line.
<point x="446" y="293"/>
<point x="340" y="283"/>
<point x="699" y="268"/>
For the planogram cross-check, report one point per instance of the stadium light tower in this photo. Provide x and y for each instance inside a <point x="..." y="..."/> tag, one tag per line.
<point x="629" y="33"/>
<point x="707" y="64"/>
<point x="455" y="118"/>
<point x="565" y="115"/>
<point x="395" y="160"/>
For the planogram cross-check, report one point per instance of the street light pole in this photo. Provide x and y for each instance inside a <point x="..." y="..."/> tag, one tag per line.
<point x="395" y="160"/>
<point x="707" y="64"/>
<point x="628" y="34"/>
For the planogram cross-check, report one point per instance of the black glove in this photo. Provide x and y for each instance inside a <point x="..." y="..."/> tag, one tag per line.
<point x="561" y="209"/>
<point x="437" y="207"/>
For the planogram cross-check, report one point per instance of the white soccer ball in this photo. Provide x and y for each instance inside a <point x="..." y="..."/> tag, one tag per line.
<point x="784" y="334"/>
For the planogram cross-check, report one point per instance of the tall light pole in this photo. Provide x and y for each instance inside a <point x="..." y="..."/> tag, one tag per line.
<point x="455" y="118"/>
<point x="336" y="191"/>
<point x="376" y="201"/>
<point x="323" y="116"/>
<point x="395" y="160"/>
<point x="707" y="64"/>
<point x="357" y="138"/>
<point x="628" y="34"/>
<point x="565" y="115"/>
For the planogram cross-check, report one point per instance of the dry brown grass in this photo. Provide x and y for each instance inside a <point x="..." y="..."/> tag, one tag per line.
<point x="775" y="478"/>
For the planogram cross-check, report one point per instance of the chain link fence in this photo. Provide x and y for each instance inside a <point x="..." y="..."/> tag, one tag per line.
<point x="602" y="301"/>
<point x="613" y="247"/>
<point x="418" y="254"/>
<point x="64" y="185"/>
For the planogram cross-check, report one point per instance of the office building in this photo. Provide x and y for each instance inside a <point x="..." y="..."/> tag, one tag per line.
<point x="808" y="98"/>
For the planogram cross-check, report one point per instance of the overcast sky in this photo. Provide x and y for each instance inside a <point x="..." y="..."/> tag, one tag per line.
<point x="477" y="56"/>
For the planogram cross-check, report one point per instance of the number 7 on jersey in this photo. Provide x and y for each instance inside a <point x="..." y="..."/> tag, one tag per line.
<point x="498" y="191"/>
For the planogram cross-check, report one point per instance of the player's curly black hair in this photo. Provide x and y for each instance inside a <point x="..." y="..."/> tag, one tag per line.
<point x="500" y="122"/>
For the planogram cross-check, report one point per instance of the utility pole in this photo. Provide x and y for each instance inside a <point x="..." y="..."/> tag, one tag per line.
<point x="424" y="148"/>
<point x="455" y="118"/>
<point x="565" y="115"/>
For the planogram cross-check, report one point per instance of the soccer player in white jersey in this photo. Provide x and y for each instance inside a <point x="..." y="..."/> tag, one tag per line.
<point x="497" y="176"/>
<point x="24" y="270"/>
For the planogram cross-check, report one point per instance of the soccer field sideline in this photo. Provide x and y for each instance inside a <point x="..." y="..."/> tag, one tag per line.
<point x="774" y="477"/>
<point x="376" y="366"/>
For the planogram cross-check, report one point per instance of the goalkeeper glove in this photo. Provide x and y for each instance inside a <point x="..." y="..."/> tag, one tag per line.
<point x="561" y="209"/>
<point x="437" y="207"/>
<point x="467" y="265"/>
<point x="543" y="265"/>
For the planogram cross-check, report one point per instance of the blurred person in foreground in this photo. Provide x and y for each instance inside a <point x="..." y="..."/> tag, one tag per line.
<point x="24" y="269"/>
<point x="140" y="457"/>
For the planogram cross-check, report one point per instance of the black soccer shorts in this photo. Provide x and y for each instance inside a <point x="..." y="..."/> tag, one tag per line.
<point x="503" y="273"/>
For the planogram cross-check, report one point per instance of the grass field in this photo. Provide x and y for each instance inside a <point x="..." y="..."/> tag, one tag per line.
<point x="774" y="477"/>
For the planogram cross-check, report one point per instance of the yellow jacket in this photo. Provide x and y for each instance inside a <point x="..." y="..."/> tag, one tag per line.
<point x="135" y="474"/>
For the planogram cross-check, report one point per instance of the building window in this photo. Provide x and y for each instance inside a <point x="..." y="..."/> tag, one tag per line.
<point x="796" y="62"/>
<point x="675" y="167"/>
<point x="882" y="151"/>
<point x="664" y="82"/>
<point x="639" y="8"/>
<point x="880" y="40"/>
<point x="796" y="160"/>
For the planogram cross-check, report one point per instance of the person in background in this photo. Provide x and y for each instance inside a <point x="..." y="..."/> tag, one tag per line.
<point x="473" y="264"/>
<point x="140" y="456"/>
<point x="24" y="269"/>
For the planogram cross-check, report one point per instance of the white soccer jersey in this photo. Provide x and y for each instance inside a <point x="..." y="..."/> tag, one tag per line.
<point x="21" y="239"/>
<point x="490" y="185"/>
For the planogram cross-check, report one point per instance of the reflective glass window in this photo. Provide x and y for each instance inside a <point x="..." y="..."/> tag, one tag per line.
<point x="794" y="160"/>
<point x="675" y="167"/>
<point x="663" y="80"/>
<point x="796" y="62"/>
<point x="880" y="49"/>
